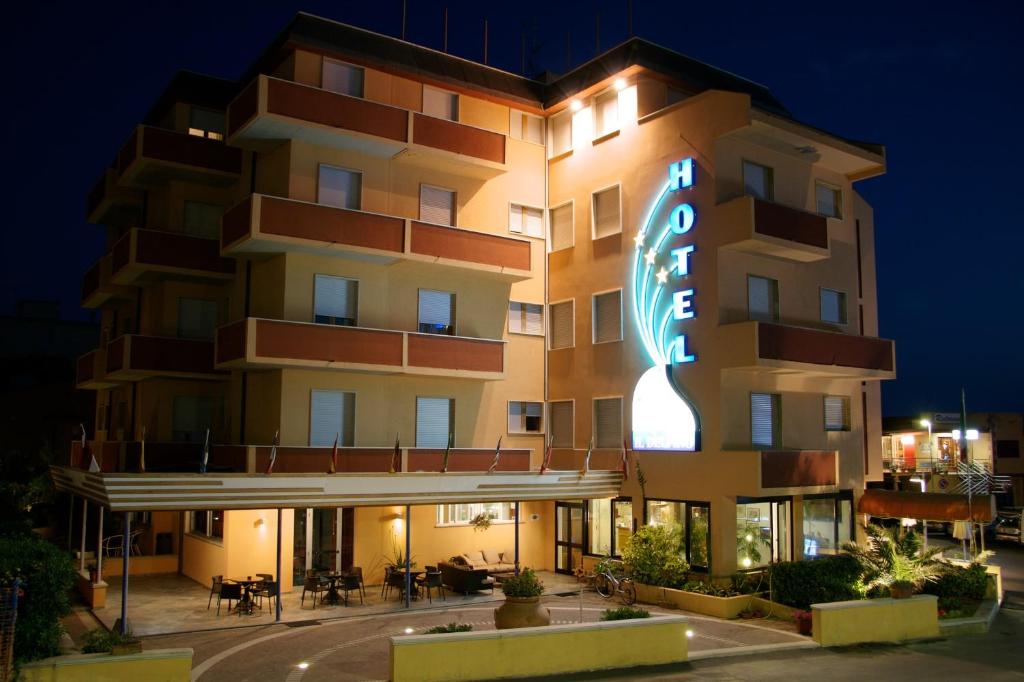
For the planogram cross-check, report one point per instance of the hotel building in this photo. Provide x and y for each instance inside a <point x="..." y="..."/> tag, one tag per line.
<point x="369" y="241"/>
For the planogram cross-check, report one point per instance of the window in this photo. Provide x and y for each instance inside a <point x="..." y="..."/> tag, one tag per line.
<point x="829" y="200"/>
<point x="342" y="78"/>
<point x="436" y="312"/>
<point x="607" y="422"/>
<point x="764" y="419"/>
<point x="561" y="424"/>
<point x="606" y="112"/>
<point x="561" y="133"/>
<point x="523" y="126"/>
<point x="827" y="524"/>
<point x="525" y="417"/>
<point x="758" y="181"/>
<point x="608" y="316"/>
<point x="562" y="227"/>
<point x="191" y="417"/>
<point x="202" y="220"/>
<point x="437" y="205"/>
<point x="762" y="299"/>
<point x="609" y="526"/>
<point x="440" y="103"/>
<point x="525" y="318"/>
<point x="335" y="300"/>
<point x="197" y="318"/>
<point x="208" y="523"/>
<point x="762" y="532"/>
<point x="606" y="210"/>
<point x="562" y="325"/>
<point x="339" y="187"/>
<point x="833" y="306"/>
<point x="526" y="220"/>
<point x="463" y="514"/>
<point x="206" y="123"/>
<point x="331" y="415"/>
<point x="837" y="413"/>
<point x="1007" y="449"/>
<point x="693" y="521"/>
<point x="434" y="422"/>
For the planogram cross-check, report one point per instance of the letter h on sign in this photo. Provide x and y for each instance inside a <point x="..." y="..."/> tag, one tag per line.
<point x="680" y="174"/>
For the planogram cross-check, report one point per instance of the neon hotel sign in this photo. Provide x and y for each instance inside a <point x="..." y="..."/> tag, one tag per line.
<point x="663" y="419"/>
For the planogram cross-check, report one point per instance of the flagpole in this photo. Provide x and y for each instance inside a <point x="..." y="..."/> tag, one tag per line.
<point x="965" y="453"/>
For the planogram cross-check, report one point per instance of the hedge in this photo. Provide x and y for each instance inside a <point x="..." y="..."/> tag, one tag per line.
<point x="802" y="583"/>
<point x="957" y="582"/>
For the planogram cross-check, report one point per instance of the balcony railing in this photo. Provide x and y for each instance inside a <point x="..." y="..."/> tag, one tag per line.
<point x="144" y="255"/>
<point x="763" y="346"/>
<point x="265" y="224"/>
<point x="270" y="110"/>
<point x="155" y="155"/>
<point x="755" y="226"/>
<point x="110" y="204"/>
<point x="259" y="343"/>
<point x="132" y="358"/>
<point x="91" y="371"/>
<point x="171" y="456"/>
<point x="98" y="286"/>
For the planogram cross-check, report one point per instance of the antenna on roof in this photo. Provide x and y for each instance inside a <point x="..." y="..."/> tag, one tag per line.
<point x="444" y="31"/>
<point x="485" y="41"/>
<point x="629" y="17"/>
<point x="403" y="18"/>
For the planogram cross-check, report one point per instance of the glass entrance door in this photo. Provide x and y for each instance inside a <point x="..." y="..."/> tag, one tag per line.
<point x="568" y="536"/>
<point x="319" y="541"/>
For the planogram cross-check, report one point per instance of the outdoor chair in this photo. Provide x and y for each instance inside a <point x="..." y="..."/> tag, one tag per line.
<point x="315" y="586"/>
<point x="432" y="580"/>
<point x="217" y="581"/>
<point x="384" y="585"/>
<point x="350" y="583"/>
<point x="268" y="590"/>
<point x="112" y="545"/>
<point x="357" y="571"/>
<point x="396" y="579"/>
<point x="231" y="592"/>
<point x="133" y="542"/>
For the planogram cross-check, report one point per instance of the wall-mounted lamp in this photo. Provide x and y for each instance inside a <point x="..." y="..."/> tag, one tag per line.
<point x="575" y="105"/>
<point x="620" y="84"/>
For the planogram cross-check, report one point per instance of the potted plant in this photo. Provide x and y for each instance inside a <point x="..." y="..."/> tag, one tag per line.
<point x="895" y="561"/>
<point x="94" y="574"/>
<point x="481" y="521"/>
<point x="522" y="607"/>
<point x="803" y="621"/>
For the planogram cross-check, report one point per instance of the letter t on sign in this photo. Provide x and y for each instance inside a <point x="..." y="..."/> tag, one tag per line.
<point x="680" y="174"/>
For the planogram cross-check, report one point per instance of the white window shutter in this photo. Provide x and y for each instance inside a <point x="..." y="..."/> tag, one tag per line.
<point x="533" y="319"/>
<point x="836" y="413"/>
<point x="440" y="104"/>
<point x="339" y="187"/>
<point x="437" y="205"/>
<point x="562" y="325"/>
<point x="561" y="227"/>
<point x="435" y="307"/>
<point x="761" y="294"/>
<point x="331" y="414"/>
<point x="334" y="297"/>
<point x="608" y="317"/>
<point x="516" y="418"/>
<point x="515" y="317"/>
<point x="515" y="218"/>
<point x="607" y="422"/>
<point x="561" y="413"/>
<point x="606" y="213"/>
<point x="433" y="422"/>
<point x="342" y="78"/>
<point x="762" y="419"/>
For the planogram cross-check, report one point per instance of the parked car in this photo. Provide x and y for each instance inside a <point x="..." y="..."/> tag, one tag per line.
<point x="1007" y="526"/>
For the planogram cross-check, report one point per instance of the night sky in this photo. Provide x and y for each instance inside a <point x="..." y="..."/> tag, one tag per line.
<point x="938" y="83"/>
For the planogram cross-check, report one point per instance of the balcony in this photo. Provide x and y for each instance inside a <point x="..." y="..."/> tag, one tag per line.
<point x="110" y="204"/>
<point x="91" y="371"/>
<point x="258" y="343"/>
<point x="781" y="349"/>
<point x="113" y="456"/>
<point x="132" y="358"/>
<point x="269" y="225"/>
<point x="271" y="110"/>
<point x="98" y="287"/>
<point x="141" y="256"/>
<point x="155" y="156"/>
<point x="761" y="227"/>
<point x="771" y="472"/>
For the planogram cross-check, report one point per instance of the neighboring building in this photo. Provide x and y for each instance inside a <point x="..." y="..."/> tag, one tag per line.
<point x="1007" y="430"/>
<point x="368" y="240"/>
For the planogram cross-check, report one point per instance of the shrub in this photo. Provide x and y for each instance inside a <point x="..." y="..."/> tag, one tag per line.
<point x="526" y="584"/>
<point x="625" y="613"/>
<point x="47" y="576"/>
<point x="802" y="583"/>
<point x="451" y="627"/>
<point x="893" y="555"/>
<point x="959" y="583"/>
<point x="654" y="556"/>
<point x="100" y="641"/>
<point x="711" y="589"/>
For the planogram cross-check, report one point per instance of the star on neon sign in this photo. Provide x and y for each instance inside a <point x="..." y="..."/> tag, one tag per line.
<point x="651" y="255"/>
<point x="639" y="240"/>
<point x="662" y="276"/>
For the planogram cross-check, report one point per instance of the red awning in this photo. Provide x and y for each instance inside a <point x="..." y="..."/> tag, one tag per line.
<point x="927" y="506"/>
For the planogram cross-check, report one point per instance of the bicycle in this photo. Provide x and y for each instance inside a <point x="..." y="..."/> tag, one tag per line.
<point x="608" y="584"/>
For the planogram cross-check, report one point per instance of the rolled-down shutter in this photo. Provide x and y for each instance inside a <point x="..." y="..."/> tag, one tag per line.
<point x="561" y="227"/>
<point x="339" y="187"/>
<point x="435" y="307"/>
<point x="561" y="423"/>
<point x="760" y="298"/>
<point x="836" y="411"/>
<point x="433" y="422"/>
<point x="331" y="414"/>
<point x="533" y="319"/>
<point x="606" y="213"/>
<point x="437" y="205"/>
<point x="607" y="422"/>
<point x="763" y="419"/>
<point x="561" y="325"/>
<point x="334" y="297"/>
<point x="608" y="317"/>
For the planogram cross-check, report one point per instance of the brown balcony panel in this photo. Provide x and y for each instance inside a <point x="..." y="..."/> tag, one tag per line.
<point x="455" y="244"/>
<point x="317" y="460"/>
<point x="91" y="281"/>
<point x="330" y="225"/>
<point x="178" y="457"/>
<point x="465" y="459"/>
<point x="109" y="204"/>
<point x="782" y="222"/>
<point x="157" y="254"/>
<point x="231" y="340"/>
<point x="90" y="371"/>
<point x="794" y="469"/>
<point x="166" y="155"/>
<point x="603" y="459"/>
<point x="335" y="110"/>
<point x="796" y="344"/>
<point x="107" y="454"/>
<point x="458" y="138"/>
<point x="316" y="343"/>
<point x="244" y="107"/>
<point x="97" y="287"/>
<point x="149" y="356"/>
<point x="456" y="353"/>
<point x="115" y="354"/>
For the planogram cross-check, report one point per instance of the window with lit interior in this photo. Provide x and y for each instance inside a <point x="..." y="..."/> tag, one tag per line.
<point x="609" y="526"/>
<point x="207" y="523"/>
<point x="692" y="522"/>
<point x="463" y="514"/>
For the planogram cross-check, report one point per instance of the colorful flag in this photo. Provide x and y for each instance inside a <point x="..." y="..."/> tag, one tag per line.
<point x="142" y="452"/>
<point x="94" y="467"/>
<point x="625" y="461"/>
<point x="206" y="453"/>
<point x="546" y="462"/>
<point x="273" y="452"/>
<point x="586" y="457"/>
<point x="497" y="456"/>
<point x="396" y="457"/>
<point x="447" y="452"/>
<point x="334" y="454"/>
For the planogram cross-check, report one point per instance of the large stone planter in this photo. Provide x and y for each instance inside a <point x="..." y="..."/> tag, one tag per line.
<point x="705" y="604"/>
<point x="521" y="612"/>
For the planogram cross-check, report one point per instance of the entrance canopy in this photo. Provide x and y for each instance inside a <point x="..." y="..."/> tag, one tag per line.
<point x="927" y="506"/>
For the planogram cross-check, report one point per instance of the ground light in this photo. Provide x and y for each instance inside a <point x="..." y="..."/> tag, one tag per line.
<point x="408" y="631"/>
<point x="302" y="666"/>
<point x="689" y="634"/>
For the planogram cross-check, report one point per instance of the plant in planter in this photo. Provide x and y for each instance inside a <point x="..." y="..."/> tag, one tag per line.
<point x="653" y="556"/>
<point x="894" y="560"/>
<point x="625" y="613"/>
<point x="481" y="521"/>
<point x="522" y="607"/>
<point x="450" y="627"/>
<point x="397" y="560"/>
<point x="748" y="545"/>
<point x="803" y="621"/>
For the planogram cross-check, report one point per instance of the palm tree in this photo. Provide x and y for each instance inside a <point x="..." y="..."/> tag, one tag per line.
<point x="894" y="557"/>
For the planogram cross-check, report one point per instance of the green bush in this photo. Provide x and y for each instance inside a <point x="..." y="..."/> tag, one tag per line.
<point x="959" y="583"/>
<point x="451" y="627"/>
<point x="711" y="589"/>
<point x="47" y="577"/>
<point x="625" y="613"/>
<point x="526" y="584"/>
<point x="654" y="556"/>
<point x="802" y="583"/>
<point x="100" y="641"/>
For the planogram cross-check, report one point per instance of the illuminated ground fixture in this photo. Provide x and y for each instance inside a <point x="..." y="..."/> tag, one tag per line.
<point x="662" y="418"/>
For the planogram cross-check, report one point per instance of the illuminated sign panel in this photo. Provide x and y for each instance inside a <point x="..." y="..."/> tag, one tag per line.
<point x="662" y="418"/>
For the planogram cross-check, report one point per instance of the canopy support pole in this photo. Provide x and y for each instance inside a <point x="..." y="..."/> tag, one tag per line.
<point x="126" y="550"/>
<point x="517" y="537"/>
<point x="280" y="578"/>
<point x="81" y="553"/>
<point x="408" y="557"/>
<point x="99" y="547"/>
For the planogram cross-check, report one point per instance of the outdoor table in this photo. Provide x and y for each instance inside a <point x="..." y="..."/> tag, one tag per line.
<point x="414" y="591"/>
<point x="246" y="603"/>
<point x="332" y="591"/>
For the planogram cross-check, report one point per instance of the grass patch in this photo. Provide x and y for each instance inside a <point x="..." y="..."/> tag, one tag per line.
<point x="450" y="627"/>
<point x="625" y="613"/>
